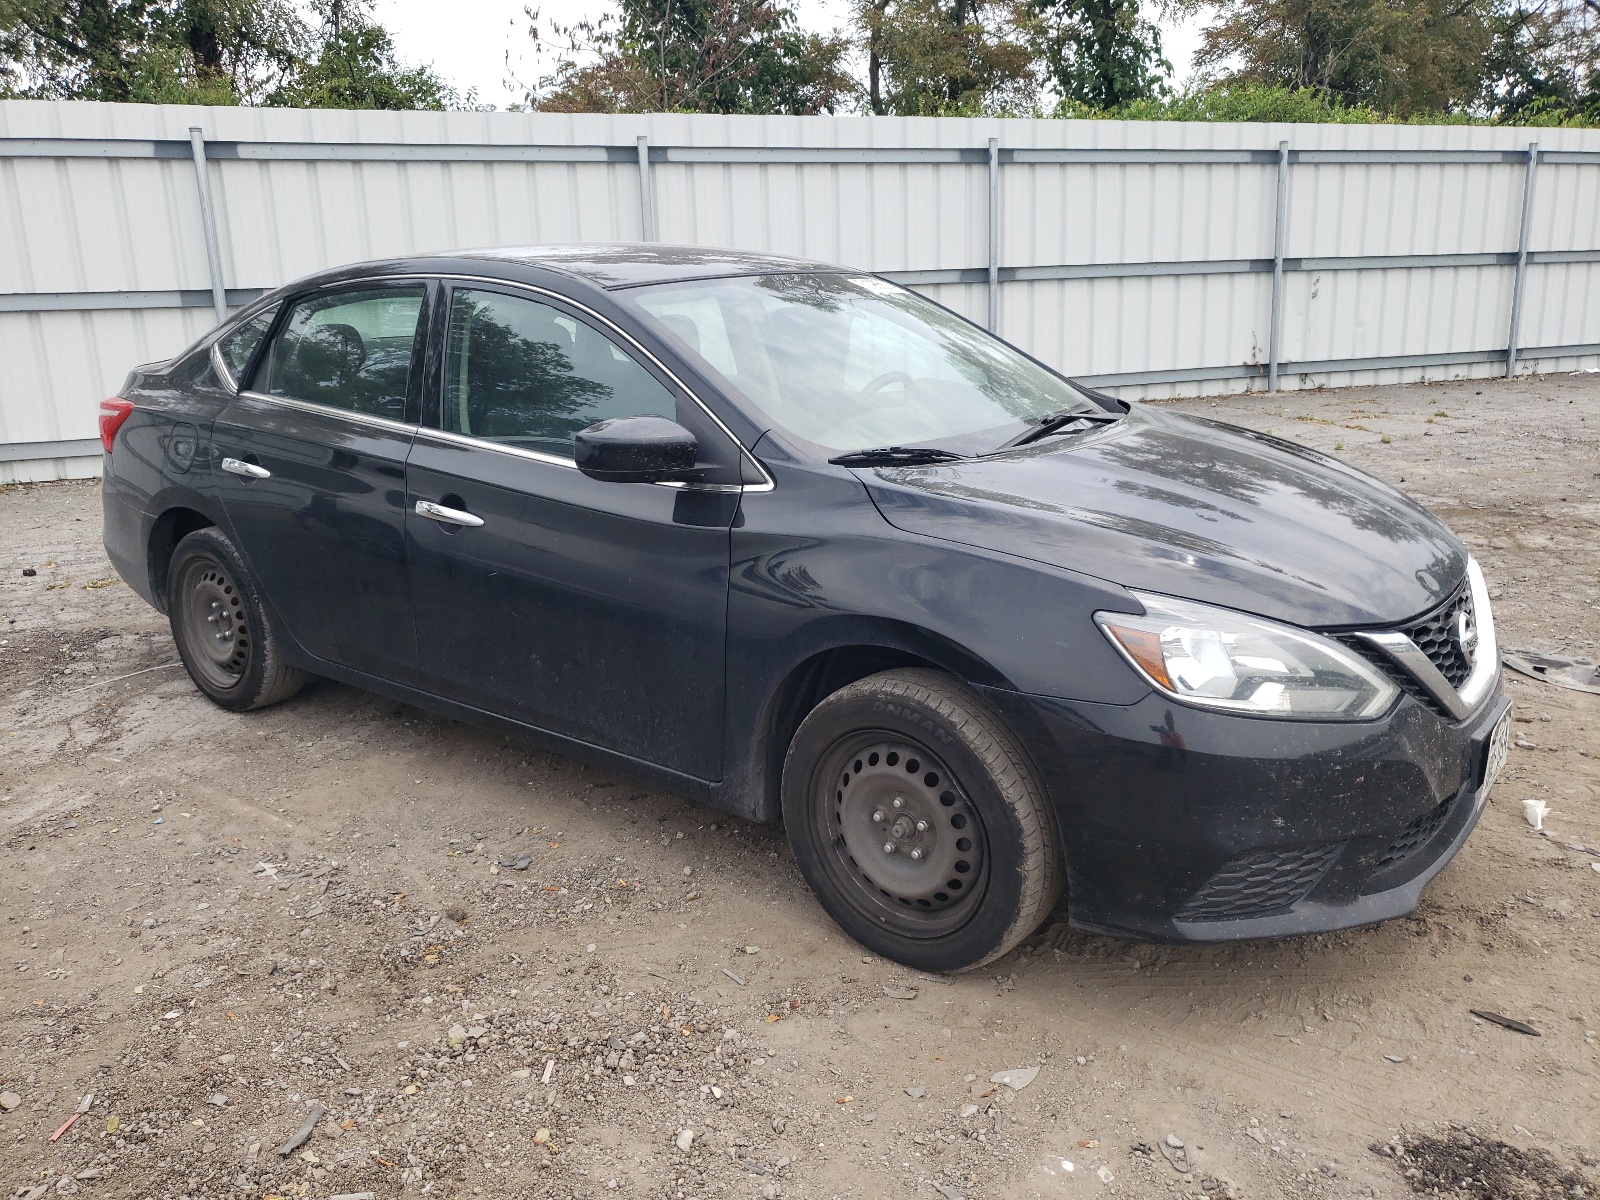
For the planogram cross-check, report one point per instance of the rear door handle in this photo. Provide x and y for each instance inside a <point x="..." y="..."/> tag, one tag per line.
<point x="447" y="516"/>
<point x="237" y="466"/>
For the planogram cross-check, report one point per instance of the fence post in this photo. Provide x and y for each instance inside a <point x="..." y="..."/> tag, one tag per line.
<point x="1522" y="261"/>
<point x="1273" y="339"/>
<point x="208" y="218"/>
<point x="994" y="235"/>
<point x="647" y="207"/>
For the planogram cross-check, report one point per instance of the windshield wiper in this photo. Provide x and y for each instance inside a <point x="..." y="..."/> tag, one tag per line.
<point x="1043" y="427"/>
<point x="897" y="456"/>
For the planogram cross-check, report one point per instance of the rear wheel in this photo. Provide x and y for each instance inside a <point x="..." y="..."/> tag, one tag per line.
<point x="221" y="627"/>
<point x="918" y="821"/>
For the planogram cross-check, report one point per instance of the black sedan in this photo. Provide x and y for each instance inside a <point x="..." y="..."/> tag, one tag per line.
<point x="796" y="542"/>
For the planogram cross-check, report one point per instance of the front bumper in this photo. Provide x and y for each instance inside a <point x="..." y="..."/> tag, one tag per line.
<point x="1185" y="825"/>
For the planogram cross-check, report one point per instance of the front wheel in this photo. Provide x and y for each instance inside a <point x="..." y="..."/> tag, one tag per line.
<point x="221" y="628"/>
<point x="918" y="822"/>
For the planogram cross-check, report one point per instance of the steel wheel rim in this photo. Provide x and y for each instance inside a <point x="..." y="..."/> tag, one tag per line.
<point x="918" y="868"/>
<point x="212" y="619"/>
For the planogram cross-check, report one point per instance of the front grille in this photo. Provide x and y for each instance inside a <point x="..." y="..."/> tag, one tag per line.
<point x="1414" y="836"/>
<point x="1395" y="672"/>
<point x="1434" y="635"/>
<point x="1254" y="885"/>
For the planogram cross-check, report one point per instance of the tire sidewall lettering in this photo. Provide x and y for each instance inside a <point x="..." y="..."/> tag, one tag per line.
<point x="915" y="718"/>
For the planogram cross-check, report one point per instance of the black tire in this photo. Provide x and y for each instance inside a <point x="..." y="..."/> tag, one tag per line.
<point x="221" y="628"/>
<point x="944" y="855"/>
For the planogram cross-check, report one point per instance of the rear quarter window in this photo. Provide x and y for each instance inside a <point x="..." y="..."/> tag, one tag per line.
<point x="239" y="346"/>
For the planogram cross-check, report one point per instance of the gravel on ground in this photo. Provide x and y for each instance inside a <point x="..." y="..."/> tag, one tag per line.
<point x="342" y="947"/>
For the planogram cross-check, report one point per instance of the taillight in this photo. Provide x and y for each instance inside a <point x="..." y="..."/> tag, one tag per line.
<point x="113" y="412"/>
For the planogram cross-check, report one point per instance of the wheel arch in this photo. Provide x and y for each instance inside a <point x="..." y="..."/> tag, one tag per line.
<point x="847" y="653"/>
<point x="181" y="517"/>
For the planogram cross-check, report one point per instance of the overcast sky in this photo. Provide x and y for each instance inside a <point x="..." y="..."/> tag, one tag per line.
<point x="468" y="41"/>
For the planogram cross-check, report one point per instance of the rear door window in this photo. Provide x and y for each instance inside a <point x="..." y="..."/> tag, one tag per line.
<point x="527" y="374"/>
<point x="350" y="350"/>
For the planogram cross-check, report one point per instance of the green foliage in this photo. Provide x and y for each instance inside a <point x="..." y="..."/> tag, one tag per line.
<point x="164" y="51"/>
<point x="932" y="58"/>
<point x="1544" y="64"/>
<point x="1522" y="61"/>
<point x="1271" y="102"/>
<point x="355" y="67"/>
<point x="165" y="73"/>
<point x="208" y="52"/>
<point x="1398" y="56"/>
<point x="711" y="56"/>
<point x="1235" y="102"/>
<point x="1101" y="53"/>
<point x="1519" y="62"/>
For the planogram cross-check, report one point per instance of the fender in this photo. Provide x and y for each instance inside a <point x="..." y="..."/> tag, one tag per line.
<point x="769" y="693"/>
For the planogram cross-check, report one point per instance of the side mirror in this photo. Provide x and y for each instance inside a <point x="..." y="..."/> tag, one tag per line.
<point x="635" y="450"/>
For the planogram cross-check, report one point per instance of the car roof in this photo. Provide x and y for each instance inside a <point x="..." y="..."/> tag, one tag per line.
<point x="631" y="264"/>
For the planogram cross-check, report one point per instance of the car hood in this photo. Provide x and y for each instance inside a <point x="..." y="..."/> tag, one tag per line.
<point x="1193" y="508"/>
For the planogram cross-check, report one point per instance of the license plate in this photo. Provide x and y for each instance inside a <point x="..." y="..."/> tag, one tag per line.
<point x="1499" y="744"/>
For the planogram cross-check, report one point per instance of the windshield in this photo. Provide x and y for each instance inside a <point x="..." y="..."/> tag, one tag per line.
<point x="850" y="362"/>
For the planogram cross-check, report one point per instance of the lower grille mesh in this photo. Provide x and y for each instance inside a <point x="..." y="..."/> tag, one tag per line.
<point x="1255" y="884"/>
<point x="1414" y="836"/>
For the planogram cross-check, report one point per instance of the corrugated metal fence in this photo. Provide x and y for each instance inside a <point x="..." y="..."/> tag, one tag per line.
<point x="1156" y="258"/>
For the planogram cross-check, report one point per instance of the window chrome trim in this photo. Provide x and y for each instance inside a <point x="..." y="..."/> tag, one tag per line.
<point x="261" y="304"/>
<point x="473" y="443"/>
<point x="1485" y="658"/>
<point x="1486" y="655"/>
<point x="220" y="366"/>
<point x="766" y="485"/>
<point x="360" y="418"/>
<point x="689" y="485"/>
<point x="468" y="442"/>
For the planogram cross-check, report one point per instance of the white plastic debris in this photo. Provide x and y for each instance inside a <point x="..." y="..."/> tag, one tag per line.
<point x="1017" y="1078"/>
<point x="1535" y="812"/>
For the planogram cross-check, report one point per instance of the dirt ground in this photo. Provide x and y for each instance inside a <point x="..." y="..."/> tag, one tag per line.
<point x="217" y="927"/>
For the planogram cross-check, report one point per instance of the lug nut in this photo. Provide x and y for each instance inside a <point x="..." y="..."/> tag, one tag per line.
<point x="916" y="854"/>
<point x="899" y="802"/>
<point x="888" y="847"/>
<point x="922" y="827"/>
<point x="879" y="817"/>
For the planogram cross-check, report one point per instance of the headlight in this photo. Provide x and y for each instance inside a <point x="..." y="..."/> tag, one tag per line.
<point x="1217" y="658"/>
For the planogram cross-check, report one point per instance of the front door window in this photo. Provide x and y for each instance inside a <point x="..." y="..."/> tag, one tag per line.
<point x="529" y="375"/>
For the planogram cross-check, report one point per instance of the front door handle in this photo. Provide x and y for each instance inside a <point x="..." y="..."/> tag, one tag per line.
<point x="237" y="466"/>
<point x="447" y="516"/>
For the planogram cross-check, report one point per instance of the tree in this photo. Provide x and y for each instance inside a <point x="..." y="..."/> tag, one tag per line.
<point x="1544" y="63"/>
<point x="713" y="56"/>
<point x="1399" y="56"/>
<point x="1100" y="53"/>
<point x="172" y="51"/>
<point x="354" y="66"/>
<point x="209" y="52"/>
<point x="948" y="57"/>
